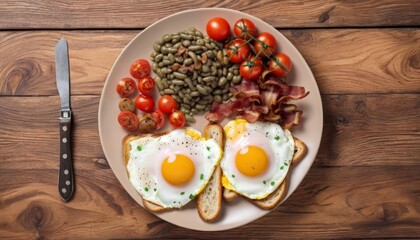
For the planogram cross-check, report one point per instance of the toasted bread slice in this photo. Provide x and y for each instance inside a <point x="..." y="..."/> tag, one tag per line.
<point x="209" y="201"/>
<point x="152" y="206"/>
<point x="272" y="200"/>
<point x="127" y="147"/>
<point x="229" y="195"/>
<point x="300" y="151"/>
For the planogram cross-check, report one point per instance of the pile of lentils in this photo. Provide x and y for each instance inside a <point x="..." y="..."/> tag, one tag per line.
<point x="194" y="70"/>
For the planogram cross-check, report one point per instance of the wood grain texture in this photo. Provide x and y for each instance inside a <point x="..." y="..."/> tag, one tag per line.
<point x="330" y="203"/>
<point x="359" y="130"/>
<point x="139" y="14"/>
<point x="367" y="61"/>
<point x="365" y="56"/>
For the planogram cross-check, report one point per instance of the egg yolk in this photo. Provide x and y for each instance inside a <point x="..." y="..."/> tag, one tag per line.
<point x="177" y="169"/>
<point x="251" y="161"/>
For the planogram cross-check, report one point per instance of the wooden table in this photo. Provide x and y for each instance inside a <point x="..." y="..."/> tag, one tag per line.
<point x="365" y="181"/>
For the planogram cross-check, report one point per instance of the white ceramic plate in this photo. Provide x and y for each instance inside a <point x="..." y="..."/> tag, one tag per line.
<point x="240" y="212"/>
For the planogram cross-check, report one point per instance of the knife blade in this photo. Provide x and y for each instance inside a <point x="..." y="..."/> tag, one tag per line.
<point x="65" y="177"/>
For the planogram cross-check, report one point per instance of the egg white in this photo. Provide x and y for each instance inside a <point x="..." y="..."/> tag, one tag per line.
<point x="148" y="153"/>
<point x="278" y="144"/>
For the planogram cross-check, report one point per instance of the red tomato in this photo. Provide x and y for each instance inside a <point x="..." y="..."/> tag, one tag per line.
<point x="167" y="104"/>
<point x="145" y="103"/>
<point x="177" y="119"/>
<point x="280" y="65"/>
<point x="265" y="43"/>
<point x="251" y="69"/>
<point x="218" y="29"/>
<point x="243" y="28"/>
<point x="237" y="51"/>
<point x="140" y="68"/>
<point x="159" y="117"/>
<point x="126" y="87"/>
<point x="146" y="85"/>
<point x="128" y="120"/>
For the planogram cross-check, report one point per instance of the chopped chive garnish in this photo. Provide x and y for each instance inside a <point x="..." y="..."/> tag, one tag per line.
<point x="277" y="137"/>
<point x="233" y="175"/>
<point x="201" y="176"/>
<point x="272" y="183"/>
<point x="146" y="189"/>
<point x="182" y="193"/>
<point x="281" y="168"/>
<point x="264" y="182"/>
<point x="139" y="148"/>
<point x="191" y="196"/>
<point x="285" y="164"/>
<point x="208" y="148"/>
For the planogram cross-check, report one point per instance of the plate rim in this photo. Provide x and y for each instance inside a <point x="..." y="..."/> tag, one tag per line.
<point x="308" y="69"/>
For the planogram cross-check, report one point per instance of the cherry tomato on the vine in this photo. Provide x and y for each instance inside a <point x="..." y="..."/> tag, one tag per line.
<point x="218" y="29"/>
<point x="237" y="50"/>
<point x="243" y="28"/>
<point x="140" y="68"/>
<point x="266" y="44"/>
<point x="167" y="104"/>
<point x="280" y="64"/>
<point x="251" y="69"/>
<point x="146" y="85"/>
<point x="128" y="120"/>
<point x="177" y="119"/>
<point x="145" y="103"/>
<point x="126" y="87"/>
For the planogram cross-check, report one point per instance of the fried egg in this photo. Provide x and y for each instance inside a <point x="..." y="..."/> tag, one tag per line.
<point x="256" y="158"/>
<point x="172" y="169"/>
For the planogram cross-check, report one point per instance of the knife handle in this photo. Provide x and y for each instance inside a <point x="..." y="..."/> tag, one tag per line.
<point x="65" y="177"/>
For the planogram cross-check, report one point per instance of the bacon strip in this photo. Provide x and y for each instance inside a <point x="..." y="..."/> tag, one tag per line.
<point x="264" y="100"/>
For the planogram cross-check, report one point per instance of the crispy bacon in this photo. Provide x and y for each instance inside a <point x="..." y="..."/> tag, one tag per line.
<point x="245" y="89"/>
<point x="291" y="119"/>
<point x="251" y="116"/>
<point x="268" y="100"/>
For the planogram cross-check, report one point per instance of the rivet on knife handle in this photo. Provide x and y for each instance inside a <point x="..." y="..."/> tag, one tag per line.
<point x="65" y="178"/>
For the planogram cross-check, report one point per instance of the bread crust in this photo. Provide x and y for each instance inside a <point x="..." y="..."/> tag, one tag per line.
<point x="300" y="151"/>
<point x="229" y="195"/>
<point x="153" y="207"/>
<point x="212" y="193"/>
<point x="272" y="200"/>
<point x="211" y="196"/>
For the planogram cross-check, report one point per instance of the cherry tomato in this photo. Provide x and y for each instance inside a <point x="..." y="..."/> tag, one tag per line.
<point x="128" y="120"/>
<point x="140" y="68"/>
<point x="243" y="28"/>
<point x="159" y="117"/>
<point x="145" y="103"/>
<point x="146" y="85"/>
<point x="237" y="51"/>
<point x="177" y="119"/>
<point x="251" y="69"/>
<point x="126" y="87"/>
<point x="167" y="104"/>
<point x="218" y="29"/>
<point x="280" y="65"/>
<point x="265" y="43"/>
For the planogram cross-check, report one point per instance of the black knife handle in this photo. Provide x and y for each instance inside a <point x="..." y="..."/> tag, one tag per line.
<point x="65" y="177"/>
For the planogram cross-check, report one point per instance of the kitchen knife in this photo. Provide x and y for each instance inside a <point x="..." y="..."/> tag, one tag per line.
<point x="65" y="177"/>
